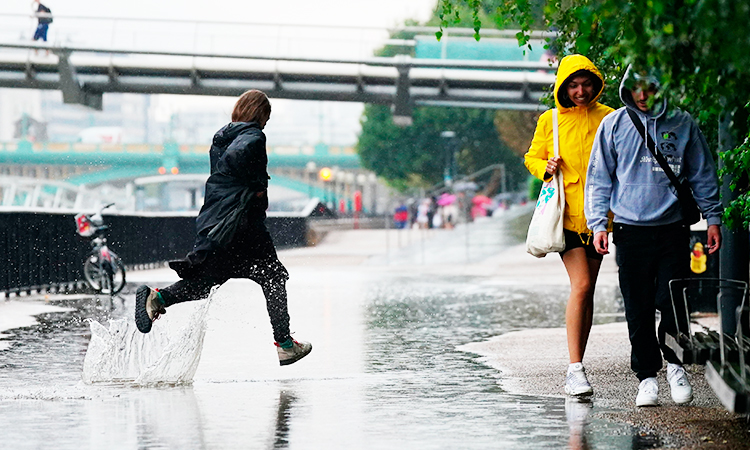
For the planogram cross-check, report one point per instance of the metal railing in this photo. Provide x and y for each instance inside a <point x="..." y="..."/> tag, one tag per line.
<point x="41" y="251"/>
<point x="196" y="36"/>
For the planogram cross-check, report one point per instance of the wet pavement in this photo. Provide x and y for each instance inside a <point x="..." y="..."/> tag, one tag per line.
<point x="385" y="371"/>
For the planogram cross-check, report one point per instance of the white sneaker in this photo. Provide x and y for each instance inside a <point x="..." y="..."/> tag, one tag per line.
<point x="576" y="383"/>
<point x="648" y="393"/>
<point x="682" y="392"/>
<point x="290" y="355"/>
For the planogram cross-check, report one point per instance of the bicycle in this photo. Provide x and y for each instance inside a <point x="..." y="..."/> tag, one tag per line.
<point x="103" y="269"/>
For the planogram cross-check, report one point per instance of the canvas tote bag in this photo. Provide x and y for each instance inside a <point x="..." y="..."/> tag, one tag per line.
<point x="545" y="233"/>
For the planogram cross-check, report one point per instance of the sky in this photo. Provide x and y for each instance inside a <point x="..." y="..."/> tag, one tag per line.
<point x="356" y="15"/>
<point x="320" y="12"/>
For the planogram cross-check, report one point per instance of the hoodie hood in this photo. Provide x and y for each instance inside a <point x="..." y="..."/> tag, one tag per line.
<point x="628" y="81"/>
<point x="229" y="132"/>
<point x="568" y="66"/>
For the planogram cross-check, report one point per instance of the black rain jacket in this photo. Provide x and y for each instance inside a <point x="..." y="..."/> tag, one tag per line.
<point x="238" y="173"/>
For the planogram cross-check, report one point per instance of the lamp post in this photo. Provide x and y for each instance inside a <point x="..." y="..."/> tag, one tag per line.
<point x="449" y="146"/>
<point x="373" y="182"/>
<point x="310" y="168"/>
<point x="325" y="175"/>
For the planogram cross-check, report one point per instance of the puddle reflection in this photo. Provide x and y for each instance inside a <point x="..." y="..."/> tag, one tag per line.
<point x="283" y="416"/>
<point x="577" y="411"/>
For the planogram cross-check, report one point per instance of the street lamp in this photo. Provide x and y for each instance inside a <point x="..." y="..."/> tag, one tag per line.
<point x="310" y="168"/>
<point x="449" y="145"/>
<point x="325" y="175"/>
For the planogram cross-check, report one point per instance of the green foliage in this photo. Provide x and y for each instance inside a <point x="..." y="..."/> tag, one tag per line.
<point x="737" y="162"/>
<point x="700" y="48"/>
<point x="414" y="156"/>
<point x="469" y="14"/>
<point x="535" y="185"/>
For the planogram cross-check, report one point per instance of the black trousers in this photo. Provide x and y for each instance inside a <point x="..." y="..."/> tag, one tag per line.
<point x="648" y="258"/>
<point x="270" y="274"/>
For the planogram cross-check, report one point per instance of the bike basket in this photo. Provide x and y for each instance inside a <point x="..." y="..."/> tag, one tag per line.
<point x="83" y="225"/>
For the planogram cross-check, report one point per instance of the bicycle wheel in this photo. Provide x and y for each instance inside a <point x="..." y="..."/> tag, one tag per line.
<point x="93" y="273"/>
<point x="118" y="275"/>
<point x="104" y="278"/>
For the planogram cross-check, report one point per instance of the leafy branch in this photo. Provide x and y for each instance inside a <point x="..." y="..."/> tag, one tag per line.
<point x="701" y="49"/>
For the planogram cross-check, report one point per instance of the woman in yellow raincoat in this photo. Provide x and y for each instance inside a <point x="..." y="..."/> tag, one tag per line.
<point x="577" y="88"/>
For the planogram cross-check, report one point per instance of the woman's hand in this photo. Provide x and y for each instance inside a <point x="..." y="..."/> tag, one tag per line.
<point x="553" y="164"/>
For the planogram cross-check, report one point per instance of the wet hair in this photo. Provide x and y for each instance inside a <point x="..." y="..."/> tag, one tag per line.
<point x="252" y="106"/>
<point x="562" y="93"/>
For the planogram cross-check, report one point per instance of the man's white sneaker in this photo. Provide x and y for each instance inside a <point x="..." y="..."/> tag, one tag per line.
<point x="576" y="383"/>
<point x="648" y="393"/>
<point x="292" y="354"/>
<point x="682" y="392"/>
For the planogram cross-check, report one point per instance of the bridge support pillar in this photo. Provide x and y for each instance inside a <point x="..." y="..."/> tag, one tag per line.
<point x="402" y="105"/>
<point x="71" y="88"/>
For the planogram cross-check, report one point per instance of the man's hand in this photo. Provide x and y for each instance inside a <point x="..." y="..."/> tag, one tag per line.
<point x="714" y="238"/>
<point x="601" y="242"/>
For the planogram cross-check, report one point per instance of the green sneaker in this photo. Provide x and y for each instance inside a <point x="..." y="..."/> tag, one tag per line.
<point x="148" y="306"/>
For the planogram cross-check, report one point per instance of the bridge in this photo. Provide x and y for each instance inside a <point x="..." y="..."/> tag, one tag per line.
<point x="85" y="72"/>
<point x="81" y="163"/>
<point x="91" y="56"/>
<point x="131" y="165"/>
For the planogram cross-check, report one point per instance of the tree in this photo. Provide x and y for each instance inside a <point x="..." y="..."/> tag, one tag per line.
<point x="700" y="48"/>
<point x="415" y="156"/>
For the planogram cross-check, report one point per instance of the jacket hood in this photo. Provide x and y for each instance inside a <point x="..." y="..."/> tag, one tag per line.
<point x="568" y="66"/>
<point x="626" y="88"/>
<point x="229" y="132"/>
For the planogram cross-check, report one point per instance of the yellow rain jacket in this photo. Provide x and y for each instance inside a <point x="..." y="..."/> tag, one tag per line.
<point x="577" y="128"/>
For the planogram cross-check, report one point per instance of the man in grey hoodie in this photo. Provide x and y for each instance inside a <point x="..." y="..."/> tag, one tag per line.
<point x="651" y="236"/>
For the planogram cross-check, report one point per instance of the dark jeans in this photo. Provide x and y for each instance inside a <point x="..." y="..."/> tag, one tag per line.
<point x="41" y="32"/>
<point x="270" y="275"/>
<point x="648" y="257"/>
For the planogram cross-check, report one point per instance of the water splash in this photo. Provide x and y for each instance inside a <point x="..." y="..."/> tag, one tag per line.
<point x="167" y="355"/>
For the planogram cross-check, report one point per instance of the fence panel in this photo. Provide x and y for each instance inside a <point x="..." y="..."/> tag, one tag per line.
<point x="41" y="251"/>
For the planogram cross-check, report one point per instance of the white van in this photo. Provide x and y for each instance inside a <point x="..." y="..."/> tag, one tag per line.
<point x="101" y="135"/>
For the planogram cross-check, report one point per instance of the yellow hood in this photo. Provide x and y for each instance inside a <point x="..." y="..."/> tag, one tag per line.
<point x="568" y="66"/>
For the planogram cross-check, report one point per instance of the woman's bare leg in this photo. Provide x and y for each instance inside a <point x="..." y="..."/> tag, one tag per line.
<point x="579" y="313"/>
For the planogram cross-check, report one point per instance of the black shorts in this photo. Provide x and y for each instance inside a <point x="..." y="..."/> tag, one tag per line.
<point x="584" y="240"/>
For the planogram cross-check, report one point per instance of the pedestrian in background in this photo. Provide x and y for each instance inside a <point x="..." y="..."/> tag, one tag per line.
<point x="400" y="216"/>
<point x="232" y="239"/>
<point x="578" y="86"/>
<point x="423" y="216"/>
<point x="44" y="18"/>
<point x="650" y="232"/>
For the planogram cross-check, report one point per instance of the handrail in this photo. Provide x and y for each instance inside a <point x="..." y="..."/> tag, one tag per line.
<point x="535" y="34"/>
<point x="395" y="61"/>
<point x="436" y="189"/>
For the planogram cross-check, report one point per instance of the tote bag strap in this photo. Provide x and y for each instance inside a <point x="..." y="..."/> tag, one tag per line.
<point x="555" y="136"/>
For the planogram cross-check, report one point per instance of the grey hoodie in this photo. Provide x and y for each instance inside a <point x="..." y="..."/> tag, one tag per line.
<point x="624" y="177"/>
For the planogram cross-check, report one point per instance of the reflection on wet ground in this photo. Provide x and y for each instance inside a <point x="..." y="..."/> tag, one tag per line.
<point x="385" y="373"/>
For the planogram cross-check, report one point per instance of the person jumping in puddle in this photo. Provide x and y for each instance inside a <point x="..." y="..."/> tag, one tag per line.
<point x="232" y="240"/>
<point x="650" y="232"/>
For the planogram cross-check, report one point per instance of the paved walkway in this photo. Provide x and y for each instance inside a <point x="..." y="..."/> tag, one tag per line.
<point x="534" y="361"/>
